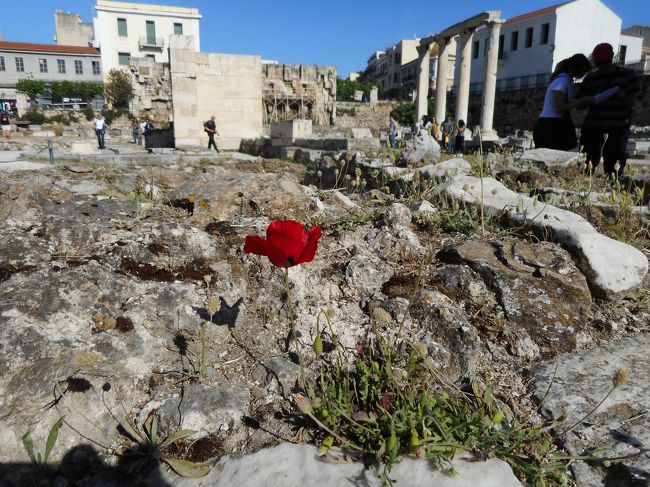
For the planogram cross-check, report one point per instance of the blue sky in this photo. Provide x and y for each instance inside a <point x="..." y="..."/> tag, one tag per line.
<point x="336" y="32"/>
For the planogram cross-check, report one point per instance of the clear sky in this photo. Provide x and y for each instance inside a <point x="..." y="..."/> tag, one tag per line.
<point x="334" y="32"/>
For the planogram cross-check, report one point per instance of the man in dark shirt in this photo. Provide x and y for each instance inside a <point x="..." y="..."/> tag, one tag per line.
<point x="610" y="116"/>
<point x="211" y="129"/>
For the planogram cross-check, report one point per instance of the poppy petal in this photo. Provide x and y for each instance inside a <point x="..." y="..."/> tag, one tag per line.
<point x="288" y="238"/>
<point x="256" y="245"/>
<point x="313" y="235"/>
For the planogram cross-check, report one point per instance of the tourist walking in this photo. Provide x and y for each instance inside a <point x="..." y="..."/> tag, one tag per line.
<point x="392" y="133"/>
<point x="459" y="140"/>
<point x="554" y="128"/>
<point x="99" y="125"/>
<point x="5" y="123"/>
<point x="210" y="128"/>
<point x="447" y="127"/>
<point x="135" y="131"/>
<point x="613" y="89"/>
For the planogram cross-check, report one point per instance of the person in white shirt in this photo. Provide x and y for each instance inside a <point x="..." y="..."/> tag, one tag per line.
<point x="555" y="129"/>
<point x="99" y="125"/>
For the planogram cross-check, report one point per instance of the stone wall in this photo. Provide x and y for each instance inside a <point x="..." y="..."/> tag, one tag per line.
<point x="224" y="85"/>
<point x="152" y="93"/>
<point x="364" y="115"/>
<point x="299" y="91"/>
<point x="519" y="109"/>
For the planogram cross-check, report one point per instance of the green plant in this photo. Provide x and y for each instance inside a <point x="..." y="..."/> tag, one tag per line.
<point x="392" y="402"/>
<point x="405" y="114"/>
<point x="34" y="116"/>
<point x="88" y="90"/>
<point x="112" y="115"/>
<point x="345" y="89"/>
<point x="118" y="89"/>
<point x="150" y="447"/>
<point x="31" y="87"/>
<point x="53" y="435"/>
<point x="89" y="113"/>
<point x="61" y="89"/>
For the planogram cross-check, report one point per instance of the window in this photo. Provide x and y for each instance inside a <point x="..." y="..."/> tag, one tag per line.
<point x="42" y="65"/>
<point x="124" y="58"/>
<point x="152" y="57"/>
<point x="485" y="46"/>
<point x="501" y="46"/>
<point x="78" y="67"/>
<point x="151" y="32"/>
<point x="2" y="64"/>
<point x="96" y="69"/>
<point x="178" y="29"/>
<point x="60" y="64"/>
<point x="622" y="53"/>
<point x="20" y="65"/>
<point x="514" y="40"/>
<point x="475" y="49"/>
<point x="529" y="37"/>
<point x="546" y="28"/>
<point x="121" y="28"/>
<point x="541" y="79"/>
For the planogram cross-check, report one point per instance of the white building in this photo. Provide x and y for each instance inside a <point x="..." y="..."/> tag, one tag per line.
<point x="531" y="45"/>
<point x="124" y="30"/>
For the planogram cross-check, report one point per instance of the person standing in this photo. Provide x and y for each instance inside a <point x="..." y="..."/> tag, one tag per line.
<point x="447" y="128"/>
<point x="392" y="133"/>
<point x="459" y="142"/>
<point x="614" y="89"/>
<point x="435" y="129"/>
<point x="5" y="123"/>
<point x="99" y="125"/>
<point x="554" y="128"/>
<point x="210" y="128"/>
<point x="135" y="130"/>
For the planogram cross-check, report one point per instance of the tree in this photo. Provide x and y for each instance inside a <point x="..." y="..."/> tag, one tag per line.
<point x="345" y="89"/>
<point x="87" y="90"/>
<point x="31" y="87"/>
<point x="117" y="89"/>
<point x="62" y="89"/>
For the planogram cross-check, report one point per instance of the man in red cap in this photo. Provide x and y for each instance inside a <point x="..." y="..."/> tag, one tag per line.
<point x="614" y="89"/>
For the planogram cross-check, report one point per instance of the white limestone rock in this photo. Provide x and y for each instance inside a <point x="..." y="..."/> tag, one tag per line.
<point x="448" y="168"/>
<point x="549" y="158"/>
<point x="610" y="266"/>
<point x="422" y="149"/>
<point x="289" y="465"/>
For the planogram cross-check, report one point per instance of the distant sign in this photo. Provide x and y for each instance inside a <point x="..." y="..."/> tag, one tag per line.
<point x="72" y="100"/>
<point x="358" y="95"/>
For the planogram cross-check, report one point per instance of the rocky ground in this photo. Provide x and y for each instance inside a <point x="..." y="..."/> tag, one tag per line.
<point x="126" y="291"/>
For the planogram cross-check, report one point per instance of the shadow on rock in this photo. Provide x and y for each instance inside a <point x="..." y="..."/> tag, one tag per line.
<point x="227" y="315"/>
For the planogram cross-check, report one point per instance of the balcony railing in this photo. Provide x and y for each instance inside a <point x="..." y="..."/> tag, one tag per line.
<point x="155" y="42"/>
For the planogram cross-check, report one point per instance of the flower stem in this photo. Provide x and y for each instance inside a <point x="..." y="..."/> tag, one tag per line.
<point x="292" y="319"/>
<point x="590" y="412"/>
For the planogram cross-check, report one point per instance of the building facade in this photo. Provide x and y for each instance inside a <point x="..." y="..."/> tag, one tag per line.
<point x="396" y="69"/>
<point x="21" y="60"/>
<point x="532" y="44"/>
<point x="124" y="30"/>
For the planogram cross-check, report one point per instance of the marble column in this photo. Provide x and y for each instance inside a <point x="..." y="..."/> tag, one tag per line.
<point x="441" y="80"/>
<point x="490" y="85"/>
<point x="462" y="97"/>
<point x="423" y="80"/>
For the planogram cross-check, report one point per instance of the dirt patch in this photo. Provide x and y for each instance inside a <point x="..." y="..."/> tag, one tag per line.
<point x="6" y="271"/>
<point x="193" y="271"/>
<point x="123" y="324"/>
<point x="399" y="286"/>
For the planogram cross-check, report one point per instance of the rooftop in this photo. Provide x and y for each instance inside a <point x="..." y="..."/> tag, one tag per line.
<point x="536" y="13"/>
<point x="53" y="48"/>
<point x="129" y="7"/>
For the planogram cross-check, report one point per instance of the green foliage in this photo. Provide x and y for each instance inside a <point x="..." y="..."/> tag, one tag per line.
<point x="406" y="113"/>
<point x="112" y="115"/>
<point x="118" y="90"/>
<point x="151" y="446"/>
<point x="28" y="444"/>
<point x="89" y="113"/>
<point x="61" y="89"/>
<point x="34" y="116"/>
<point x="392" y="402"/>
<point x="31" y="87"/>
<point x="350" y="112"/>
<point x="345" y="89"/>
<point x="87" y="90"/>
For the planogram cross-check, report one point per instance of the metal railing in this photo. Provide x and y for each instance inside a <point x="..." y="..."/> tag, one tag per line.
<point x="157" y="42"/>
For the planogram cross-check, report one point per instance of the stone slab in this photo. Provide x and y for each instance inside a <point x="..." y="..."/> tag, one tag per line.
<point x="620" y="424"/>
<point x="361" y="133"/>
<point x="24" y="166"/>
<point x="289" y="465"/>
<point x="549" y="158"/>
<point x="593" y="252"/>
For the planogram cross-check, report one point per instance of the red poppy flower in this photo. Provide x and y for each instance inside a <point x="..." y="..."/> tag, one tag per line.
<point x="287" y="243"/>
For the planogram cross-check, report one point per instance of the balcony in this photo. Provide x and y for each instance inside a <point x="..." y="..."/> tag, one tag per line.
<point x="152" y="43"/>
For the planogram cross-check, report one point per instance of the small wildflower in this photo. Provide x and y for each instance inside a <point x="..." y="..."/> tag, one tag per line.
<point x="213" y="305"/>
<point x="319" y="173"/>
<point x="303" y="403"/>
<point x="325" y="445"/>
<point x="620" y="378"/>
<point x="318" y="346"/>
